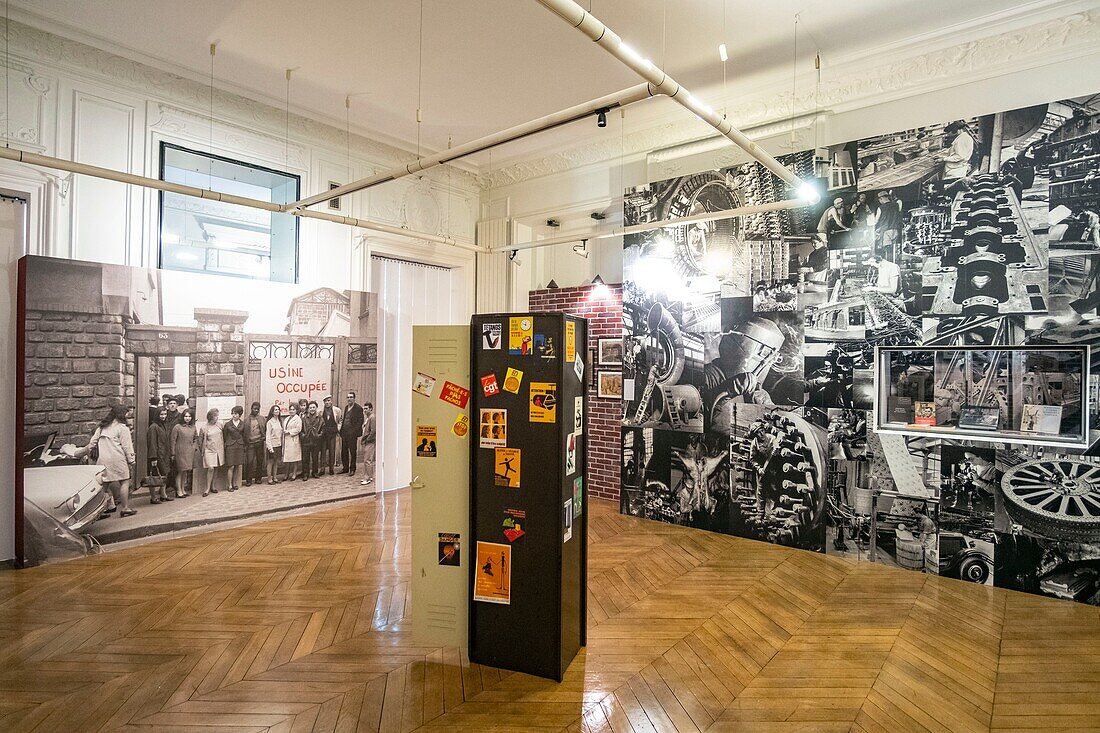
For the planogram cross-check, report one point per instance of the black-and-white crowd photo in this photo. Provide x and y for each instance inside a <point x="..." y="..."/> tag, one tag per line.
<point x="161" y="401"/>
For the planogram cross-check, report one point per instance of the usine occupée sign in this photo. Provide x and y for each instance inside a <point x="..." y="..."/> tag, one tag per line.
<point x="288" y="380"/>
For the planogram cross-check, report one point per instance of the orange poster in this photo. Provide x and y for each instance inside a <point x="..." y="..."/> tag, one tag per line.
<point x="570" y="341"/>
<point x="493" y="582"/>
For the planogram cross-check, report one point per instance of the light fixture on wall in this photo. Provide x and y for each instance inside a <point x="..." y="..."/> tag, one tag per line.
<point x="599" y="288"/>
<point x="581" y="248"/>
<point x="601" y="118"/>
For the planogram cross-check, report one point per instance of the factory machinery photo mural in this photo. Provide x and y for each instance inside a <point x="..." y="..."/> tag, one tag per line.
<point x="750" y="376"/>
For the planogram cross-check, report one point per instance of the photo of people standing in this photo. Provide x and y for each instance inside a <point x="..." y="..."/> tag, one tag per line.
<point x="235" y="390"/>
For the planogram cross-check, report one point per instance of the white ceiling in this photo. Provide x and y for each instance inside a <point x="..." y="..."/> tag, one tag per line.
<point x="487" y="64"/>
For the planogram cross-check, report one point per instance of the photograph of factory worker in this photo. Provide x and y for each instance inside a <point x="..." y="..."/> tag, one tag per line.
<point x="887" y="275"/>
<point x="829" y="379"/>
<point x="368" y="443"/>
<point x="292" y="442"/>
<point x="212" y="449"/>
<point x="236" y="447"/>
<point x="834" y="222"/>
<point x="255" y="433"/>
<point x="351" y="430"/>
<point x="745" y="357"/>
<point x="888" y="222"/>
<point x="961" y="145"/>
<point x="156" y="442"/>
<point x="273" y="444"/>
<point x="181" y="445"/>
<point x="311" y="442"/>
<point x="330" y="429"/>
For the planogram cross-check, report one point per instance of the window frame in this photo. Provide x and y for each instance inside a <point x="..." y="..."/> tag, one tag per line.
<point x="164" y="146"/>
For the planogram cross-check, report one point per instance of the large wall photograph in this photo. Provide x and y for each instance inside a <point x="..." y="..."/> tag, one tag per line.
<point x="749" y="374"/>
<point x="154" y="401"/>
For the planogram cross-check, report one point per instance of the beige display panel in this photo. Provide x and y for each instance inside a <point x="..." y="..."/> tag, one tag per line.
<point x="441" y="434"/>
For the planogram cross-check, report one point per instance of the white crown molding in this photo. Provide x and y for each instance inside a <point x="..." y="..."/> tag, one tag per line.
<point x="36" y="45"/>
<point x="881" y="75"/>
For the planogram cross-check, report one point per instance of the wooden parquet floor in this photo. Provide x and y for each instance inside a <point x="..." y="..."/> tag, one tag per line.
<point x="299" y="624"/>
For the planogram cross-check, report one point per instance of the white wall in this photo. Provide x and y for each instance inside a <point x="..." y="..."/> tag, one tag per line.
<point x="965" y="72"/>
<point x="73" y="101"/>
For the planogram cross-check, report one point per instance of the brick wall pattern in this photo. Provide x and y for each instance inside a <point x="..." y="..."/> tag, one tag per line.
<point x="604" y="312"/>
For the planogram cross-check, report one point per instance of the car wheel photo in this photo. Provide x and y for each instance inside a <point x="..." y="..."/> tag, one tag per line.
<point x="974" y="570"/>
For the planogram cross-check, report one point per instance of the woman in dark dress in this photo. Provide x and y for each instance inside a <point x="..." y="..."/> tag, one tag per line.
<point x="159" y="452"/>
<point x="236" y="444"/>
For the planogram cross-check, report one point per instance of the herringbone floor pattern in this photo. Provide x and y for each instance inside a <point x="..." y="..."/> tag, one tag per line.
<point x="298" y="624"/>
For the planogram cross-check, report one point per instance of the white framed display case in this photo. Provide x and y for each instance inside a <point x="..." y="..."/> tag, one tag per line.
<point x="1035" y="395"/>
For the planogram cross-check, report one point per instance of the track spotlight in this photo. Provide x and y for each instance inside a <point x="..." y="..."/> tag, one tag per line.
<point x="601" y="118"/>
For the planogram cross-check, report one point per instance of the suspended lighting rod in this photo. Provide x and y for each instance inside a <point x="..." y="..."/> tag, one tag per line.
<point x="45" y="161"/>
<point x="662" y="83"/>
<point x="549" y="122"/>
<point x="651" y="225"/>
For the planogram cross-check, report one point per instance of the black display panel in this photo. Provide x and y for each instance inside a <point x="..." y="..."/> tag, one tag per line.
<point x="529" y="537"/>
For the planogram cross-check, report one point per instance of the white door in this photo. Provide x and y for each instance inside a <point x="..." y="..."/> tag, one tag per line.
<point x="408" y="294"/>
<point x="440" y="490"/>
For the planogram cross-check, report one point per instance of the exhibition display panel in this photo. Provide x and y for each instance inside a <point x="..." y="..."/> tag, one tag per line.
<point x="528" y="528"/>
<point x="1022" y="394"/>
<point x="440" y="485"/>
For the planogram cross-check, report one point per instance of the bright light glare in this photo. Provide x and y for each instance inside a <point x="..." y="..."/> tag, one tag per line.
<point x="808" y="193"/>
<point x="635" y="56"/>
<point x="663" y="245"/>
<point x="722" y="53"/>
<point x="650" y="274"/>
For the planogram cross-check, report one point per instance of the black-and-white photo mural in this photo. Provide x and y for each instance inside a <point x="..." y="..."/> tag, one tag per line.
<point x="160" y="401"/>
<point x="749" y="360"/>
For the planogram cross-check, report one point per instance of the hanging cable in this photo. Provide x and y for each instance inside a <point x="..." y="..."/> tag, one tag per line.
<point x="210" y="111"/>
<point x="420" y="80"/>
<point x="286" y="139"/>
<point x="794" y="75"/>
<point x="7" y="76"/>
<point x="725" y="60"/>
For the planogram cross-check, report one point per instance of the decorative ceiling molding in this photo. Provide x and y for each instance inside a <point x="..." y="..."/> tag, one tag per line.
<point x="857" y="82"/>
<point x="37" y="45"/>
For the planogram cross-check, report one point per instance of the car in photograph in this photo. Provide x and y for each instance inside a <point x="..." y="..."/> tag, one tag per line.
<point x="960" y="557"/>
<point x="65" y="488"/>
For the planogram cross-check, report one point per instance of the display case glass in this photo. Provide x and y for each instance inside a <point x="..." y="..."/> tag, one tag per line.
<point x="1021" y="394"/>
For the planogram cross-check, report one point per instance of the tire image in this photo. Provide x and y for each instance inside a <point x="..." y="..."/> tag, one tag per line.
<point x="1057" y="498"/>
<point x="974" y="570"/>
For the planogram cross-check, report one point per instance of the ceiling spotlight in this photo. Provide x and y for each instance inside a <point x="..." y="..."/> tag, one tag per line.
<point x="722" y="53"/>
<point x="601" y="118"/>
<point x="553" y="223"/>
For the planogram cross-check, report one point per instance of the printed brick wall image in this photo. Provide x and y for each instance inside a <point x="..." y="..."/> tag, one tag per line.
<point x="603" y="308"/>
<point x="147" y="346"/>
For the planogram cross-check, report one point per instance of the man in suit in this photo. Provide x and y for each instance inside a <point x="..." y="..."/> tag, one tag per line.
<point x="330" y="428"/>
<point x="351" y="429"/>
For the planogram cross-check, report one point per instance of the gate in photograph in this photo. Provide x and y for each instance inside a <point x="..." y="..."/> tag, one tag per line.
<point x="354" y="362"/>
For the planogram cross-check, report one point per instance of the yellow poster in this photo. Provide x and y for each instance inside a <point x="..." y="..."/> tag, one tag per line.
<point x="426" y="436"/>
<point x="461" y="426"/>
<point x="521" y="336"/>
<point x="512" y="380"/>
<point x="493" y="582"/>
<point x="570" y="340"/>
<point x="506" y="470"/>
<point x="544" y="402"/>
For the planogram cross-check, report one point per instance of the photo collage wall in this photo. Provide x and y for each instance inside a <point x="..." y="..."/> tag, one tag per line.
<point x="749" y="348"/>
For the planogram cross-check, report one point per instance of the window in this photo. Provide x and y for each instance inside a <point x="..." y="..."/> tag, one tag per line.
<point x="201" y="235"/>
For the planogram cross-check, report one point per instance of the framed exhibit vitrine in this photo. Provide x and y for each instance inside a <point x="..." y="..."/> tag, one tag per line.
<point x="1036" y="395"/>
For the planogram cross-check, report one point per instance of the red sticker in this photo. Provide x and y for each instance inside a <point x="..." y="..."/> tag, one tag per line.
<point x="454" y="394"/>
<point x="489" y="385"/>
